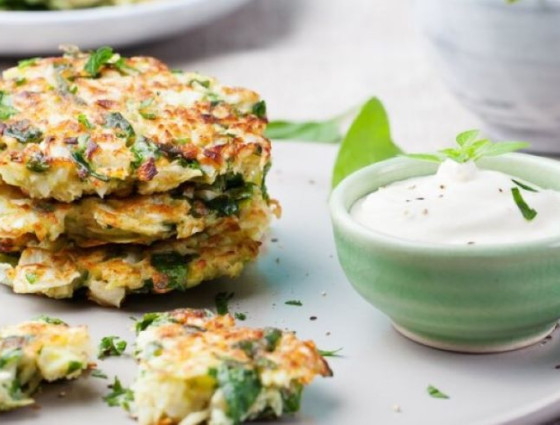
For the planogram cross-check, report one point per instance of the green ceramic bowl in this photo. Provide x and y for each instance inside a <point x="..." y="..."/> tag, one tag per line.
<point x="471" y="298"/>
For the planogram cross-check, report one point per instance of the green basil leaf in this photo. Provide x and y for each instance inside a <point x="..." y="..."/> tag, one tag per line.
<point x="423" y="156"/>
<point x="368" y="140"/>
<point x="467" y="138"/>
<point x="501" y="148"/>
<point x="313" y="131"/>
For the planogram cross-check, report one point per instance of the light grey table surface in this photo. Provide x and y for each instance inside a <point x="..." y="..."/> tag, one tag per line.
<point x="311" y="59"/>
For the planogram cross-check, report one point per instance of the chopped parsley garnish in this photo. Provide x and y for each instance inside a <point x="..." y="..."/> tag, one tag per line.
<point x="435" y="393"/>
<point x="259" y="109"/>
<point x="51" y="320"/>
<point x="240" y="316"/>
<point x="125" y="68"/>
<point x="31" y="278"/>
<point x="119" y="395"/>
<point x="25" y="63"/>
<point x="82" y="119"/>
<point x="6" y="109"/>
<point x="118" y="122"/>
<point x="85" y="166"/>
<point x="222" y="299"/>
<point x="527" y="212"/>
<point x="97" y="60"/>
<point x="174" y="266"/>
<point x="96" y="373"/>
<point x="143" y="149"/>
<point x="272" y="336"/>
<point x="24" y="132"/>
<point x="291" y="398"/>
<point x="73" y="366"/>
<point x="524" y="186"/>
<point x="330" y="353"/>
<point x="7" y="357"/>
<point x="37" y="163"/>
<point x="111" y="346"/>
<point x="147" y="320"/>
<point x="240" y="387"/>
<point x="20" y="81"/>
<point x="147" y="109"/>
<point x="297" y="303"/>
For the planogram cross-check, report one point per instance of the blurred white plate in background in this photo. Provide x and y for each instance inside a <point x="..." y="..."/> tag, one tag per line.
<point x="25" y="33"/>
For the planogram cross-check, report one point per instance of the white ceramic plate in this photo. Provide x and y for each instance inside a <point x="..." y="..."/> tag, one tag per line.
<point x="25" y="33"/>
<point x="379" y="369"/>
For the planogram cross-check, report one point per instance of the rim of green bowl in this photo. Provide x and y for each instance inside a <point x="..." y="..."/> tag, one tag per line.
<point x="340" y="207"/>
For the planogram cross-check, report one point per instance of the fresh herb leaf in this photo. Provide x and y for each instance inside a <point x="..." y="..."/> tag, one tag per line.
<point x="25" y="63"/>
<point x="6" y="109"/>
<point x="272" y="336"/>
<point x="222" y="299"/>
<point x="330" y="353"/>
<point x="524" y="186"/>
<point x="297" y="303"/>
<point x="118" y="122"/>
<point x="147" y="109"/>
<point x="7" y="357"/>
<point x="240" y="388"/>
<point x="125" y="68"/>
<point x="315" y="131"/>
<point x="31" y="278"/>
<point x="174" y="266"/>
<point x="119" y="395"/>
<point x="111" y="346"/>
<point x="97" y="60"/>
<point x="24" y="132"/>
<point x="82" y="119"/>
<point x="240" y="316"/>
<point x="37" y="163"/>
<point x="291" y="398"/>
<point x="495" y="149"/>
<point x="74" y="366"/>
<point x="147" y="320"/>
<point x="51" y="320"/>
<point x="259" y="109"/>
<point x="143" y="149"/>
<point x="368" y="140"/>
<point x="425" y="157"/>
<point x="20" y="81"/>
<point x="527" y="212"/>
<point x="470" y="148"/>
<point x="85" y="166"/>
<point x="96" y="373"/>
<point x="435" y="393"/>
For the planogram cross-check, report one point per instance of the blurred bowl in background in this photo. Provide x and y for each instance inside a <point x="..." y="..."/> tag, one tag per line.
<point x="40" y="32"/>
<point x="503" y="63"/>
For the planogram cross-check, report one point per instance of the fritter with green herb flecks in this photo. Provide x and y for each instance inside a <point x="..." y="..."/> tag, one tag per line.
<point x="98" y="123"/>
<point x="195" y="367"/>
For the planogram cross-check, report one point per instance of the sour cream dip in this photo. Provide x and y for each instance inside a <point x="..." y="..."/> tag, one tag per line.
<point x="460" y="204"/>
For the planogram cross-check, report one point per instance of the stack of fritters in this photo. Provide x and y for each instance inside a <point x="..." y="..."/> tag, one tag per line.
<point x="120" y="175"/>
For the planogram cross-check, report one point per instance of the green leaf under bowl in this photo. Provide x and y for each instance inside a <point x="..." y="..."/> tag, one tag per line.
<point x="368" y="140"/>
